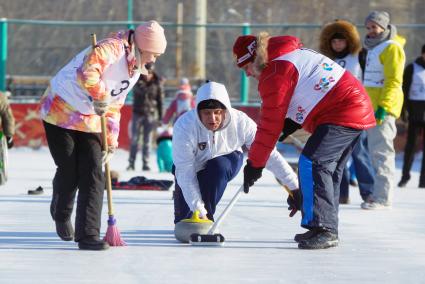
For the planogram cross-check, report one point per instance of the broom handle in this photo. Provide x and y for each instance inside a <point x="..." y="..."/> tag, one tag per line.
<point x="288" y="191"/>
<point x="107" y="170"/>
<point x="226" y="211"/>
<point x="298" y="144"/>
<point x="105" y="148"/>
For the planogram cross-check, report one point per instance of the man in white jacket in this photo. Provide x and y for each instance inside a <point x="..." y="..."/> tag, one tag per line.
<point x="207" y="152"/>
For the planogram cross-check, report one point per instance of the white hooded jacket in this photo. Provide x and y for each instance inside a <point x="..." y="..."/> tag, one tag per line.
<point x="194" y="145"/>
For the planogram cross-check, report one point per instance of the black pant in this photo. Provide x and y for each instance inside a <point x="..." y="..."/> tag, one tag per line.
<point x="320" y="169"/>
<point x="78" y="157"/>
<point x="413" y="131"/>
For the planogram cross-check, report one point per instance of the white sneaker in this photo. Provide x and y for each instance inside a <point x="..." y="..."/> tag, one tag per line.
<point x="374" y="206"/>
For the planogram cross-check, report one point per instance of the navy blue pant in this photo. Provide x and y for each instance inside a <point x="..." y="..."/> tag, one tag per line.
<point x="212" y="180"/>
<point x="320" y="169"/>
<point x="363" y="168"/>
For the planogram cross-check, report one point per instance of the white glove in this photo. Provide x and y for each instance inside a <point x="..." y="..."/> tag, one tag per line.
<point x="107" y="155"/>
<point x="201" y="208"/>
<point x="100" y="106"/>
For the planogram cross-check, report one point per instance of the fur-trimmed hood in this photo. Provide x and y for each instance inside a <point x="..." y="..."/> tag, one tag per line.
<point x="347" y="29"/>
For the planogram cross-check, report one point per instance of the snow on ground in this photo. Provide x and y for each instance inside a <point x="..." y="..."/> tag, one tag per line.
<point x="375" y="246"/>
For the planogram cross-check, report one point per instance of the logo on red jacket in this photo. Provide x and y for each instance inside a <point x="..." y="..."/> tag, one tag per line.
<point x="324" y="84"/>
<point x="299" y="116"/>
<point x="202" y="146"/>
<point x="326" y="66"/>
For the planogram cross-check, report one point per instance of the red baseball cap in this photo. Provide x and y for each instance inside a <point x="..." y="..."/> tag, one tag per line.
<point x="244" y="49"/>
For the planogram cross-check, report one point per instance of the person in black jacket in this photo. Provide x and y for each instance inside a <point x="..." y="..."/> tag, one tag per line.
<point x="148" y="96"/>
<point x="414" y="114"/>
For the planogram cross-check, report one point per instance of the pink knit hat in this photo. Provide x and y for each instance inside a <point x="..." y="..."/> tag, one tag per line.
<point x="150" y="37"/>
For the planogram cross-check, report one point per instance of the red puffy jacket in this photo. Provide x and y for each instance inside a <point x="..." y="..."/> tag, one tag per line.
<point x="346" y="104"/>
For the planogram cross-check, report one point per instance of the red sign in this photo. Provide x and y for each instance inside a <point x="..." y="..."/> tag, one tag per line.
<point x="30" y="130"/>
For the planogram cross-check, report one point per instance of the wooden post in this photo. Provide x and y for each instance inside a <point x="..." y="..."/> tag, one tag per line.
<point x="179" y="41"/>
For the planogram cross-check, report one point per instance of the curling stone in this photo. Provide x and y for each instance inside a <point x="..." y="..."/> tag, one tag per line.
<point x="194" y="225"/>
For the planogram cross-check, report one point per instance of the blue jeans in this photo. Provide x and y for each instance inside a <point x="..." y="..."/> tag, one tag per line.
<point x="363" y="168"/>
<point x="212" y="181"/>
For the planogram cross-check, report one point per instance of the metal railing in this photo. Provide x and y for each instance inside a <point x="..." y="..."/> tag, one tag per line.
<point x="220" y="62"/>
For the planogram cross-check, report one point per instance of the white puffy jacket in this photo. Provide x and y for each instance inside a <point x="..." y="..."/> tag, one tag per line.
<point x="194" y="145"/>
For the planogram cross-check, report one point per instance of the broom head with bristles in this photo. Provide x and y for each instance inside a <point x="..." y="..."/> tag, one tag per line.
<point x="113" y="236"/>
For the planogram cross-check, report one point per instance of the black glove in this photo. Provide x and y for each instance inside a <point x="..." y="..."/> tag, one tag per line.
<point x="295" y="202"/>
<point x="289" y="127"/>
<point x="250" y="175"/>
<point x="9" y="141"/>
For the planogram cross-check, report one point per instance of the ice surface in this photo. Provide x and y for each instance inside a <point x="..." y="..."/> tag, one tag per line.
<point x="375" y="246"/>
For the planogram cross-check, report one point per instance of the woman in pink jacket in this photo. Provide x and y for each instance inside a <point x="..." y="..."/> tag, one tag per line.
<point x="95" y="82"/>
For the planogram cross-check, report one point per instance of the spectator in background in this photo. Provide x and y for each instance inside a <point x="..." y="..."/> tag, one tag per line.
<point x="383" y="76"/>
<point x="7" y="119"/>
<point x="414" y="113"/>
<point x="183" y="102"/>
<point x="164" y="150"/>
<point x="147" y="103"/>
<point x="340" y="41"/>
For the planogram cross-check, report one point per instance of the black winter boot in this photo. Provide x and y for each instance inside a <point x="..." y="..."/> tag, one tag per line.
<point x="53" y="204"/>
<point x="321" y="240"/>
<point x="304" y="236"/>
<point x="344" y="200"/>
<point x="92" y="243"/>
<point x="422" y="181"/>
<point x="403" y="181"/>
<point x="65" y="230"/>
<point x="130" y="167"/>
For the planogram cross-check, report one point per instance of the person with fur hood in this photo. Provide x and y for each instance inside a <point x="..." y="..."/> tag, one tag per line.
<point x="300" y="86"/>
<point x="340" y="41"/>
<point x="208" y="144"/>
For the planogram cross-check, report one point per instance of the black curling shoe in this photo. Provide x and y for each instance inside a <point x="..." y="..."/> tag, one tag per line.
<point x="322" y="240"/>
<point x="92" y="244"/>
<point x="304" y="236"/>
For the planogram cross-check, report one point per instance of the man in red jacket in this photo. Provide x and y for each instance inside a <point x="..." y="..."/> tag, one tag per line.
<point x="302" y="88"/>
